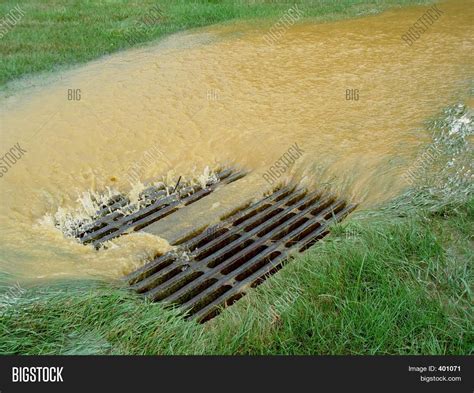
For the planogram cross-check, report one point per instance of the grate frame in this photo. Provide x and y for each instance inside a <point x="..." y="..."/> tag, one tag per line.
<point x="213" y="269"/>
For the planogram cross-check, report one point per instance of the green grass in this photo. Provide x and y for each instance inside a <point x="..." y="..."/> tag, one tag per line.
<point x="380" y="284"/>
<point x="55" y="33"/>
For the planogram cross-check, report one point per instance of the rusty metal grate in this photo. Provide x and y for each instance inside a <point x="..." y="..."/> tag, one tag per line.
<point x="216" y="267"/>
<point x="113" y="219"/>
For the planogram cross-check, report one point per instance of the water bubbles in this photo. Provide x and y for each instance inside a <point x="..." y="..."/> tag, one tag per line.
<point x="453" y="178"/>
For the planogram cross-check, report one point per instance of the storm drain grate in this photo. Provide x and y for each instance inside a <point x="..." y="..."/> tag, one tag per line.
<point x="157" y="203"/>
<point x="215" y="268"/>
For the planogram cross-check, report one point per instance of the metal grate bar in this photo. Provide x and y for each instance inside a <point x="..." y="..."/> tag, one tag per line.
<point x="240" y="286"/>
<point x="158" y="204"/>
<point x="150" y="268"/>
<point x="266" y="244"/>
<point x="270" y="247"/>
<point x="213" y="269"/>
<point x="235" y="245"/>
<point x="231" y="235"/>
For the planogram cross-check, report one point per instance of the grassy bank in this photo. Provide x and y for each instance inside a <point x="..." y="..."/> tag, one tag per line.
<point x="53" y="33"/>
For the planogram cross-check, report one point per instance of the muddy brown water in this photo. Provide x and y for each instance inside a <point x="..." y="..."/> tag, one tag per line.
<point x="223" y="96"/>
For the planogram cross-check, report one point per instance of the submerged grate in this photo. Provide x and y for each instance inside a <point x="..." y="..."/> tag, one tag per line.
<point x="117" y="218"/>
<point x="215" y="268"/>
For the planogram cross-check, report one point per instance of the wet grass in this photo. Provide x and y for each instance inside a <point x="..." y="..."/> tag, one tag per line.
<point x="382" y="283"/>
<point x="56" y="33"/>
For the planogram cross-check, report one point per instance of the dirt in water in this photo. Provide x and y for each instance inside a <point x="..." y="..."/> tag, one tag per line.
<point x="352" y="95"/>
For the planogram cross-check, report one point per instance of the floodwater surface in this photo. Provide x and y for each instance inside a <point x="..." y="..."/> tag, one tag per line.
<point x="217" y="97"/>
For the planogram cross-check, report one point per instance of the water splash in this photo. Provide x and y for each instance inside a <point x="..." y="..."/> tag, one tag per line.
<point x="454" y="175"/>
<point x="92" y="205"/>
